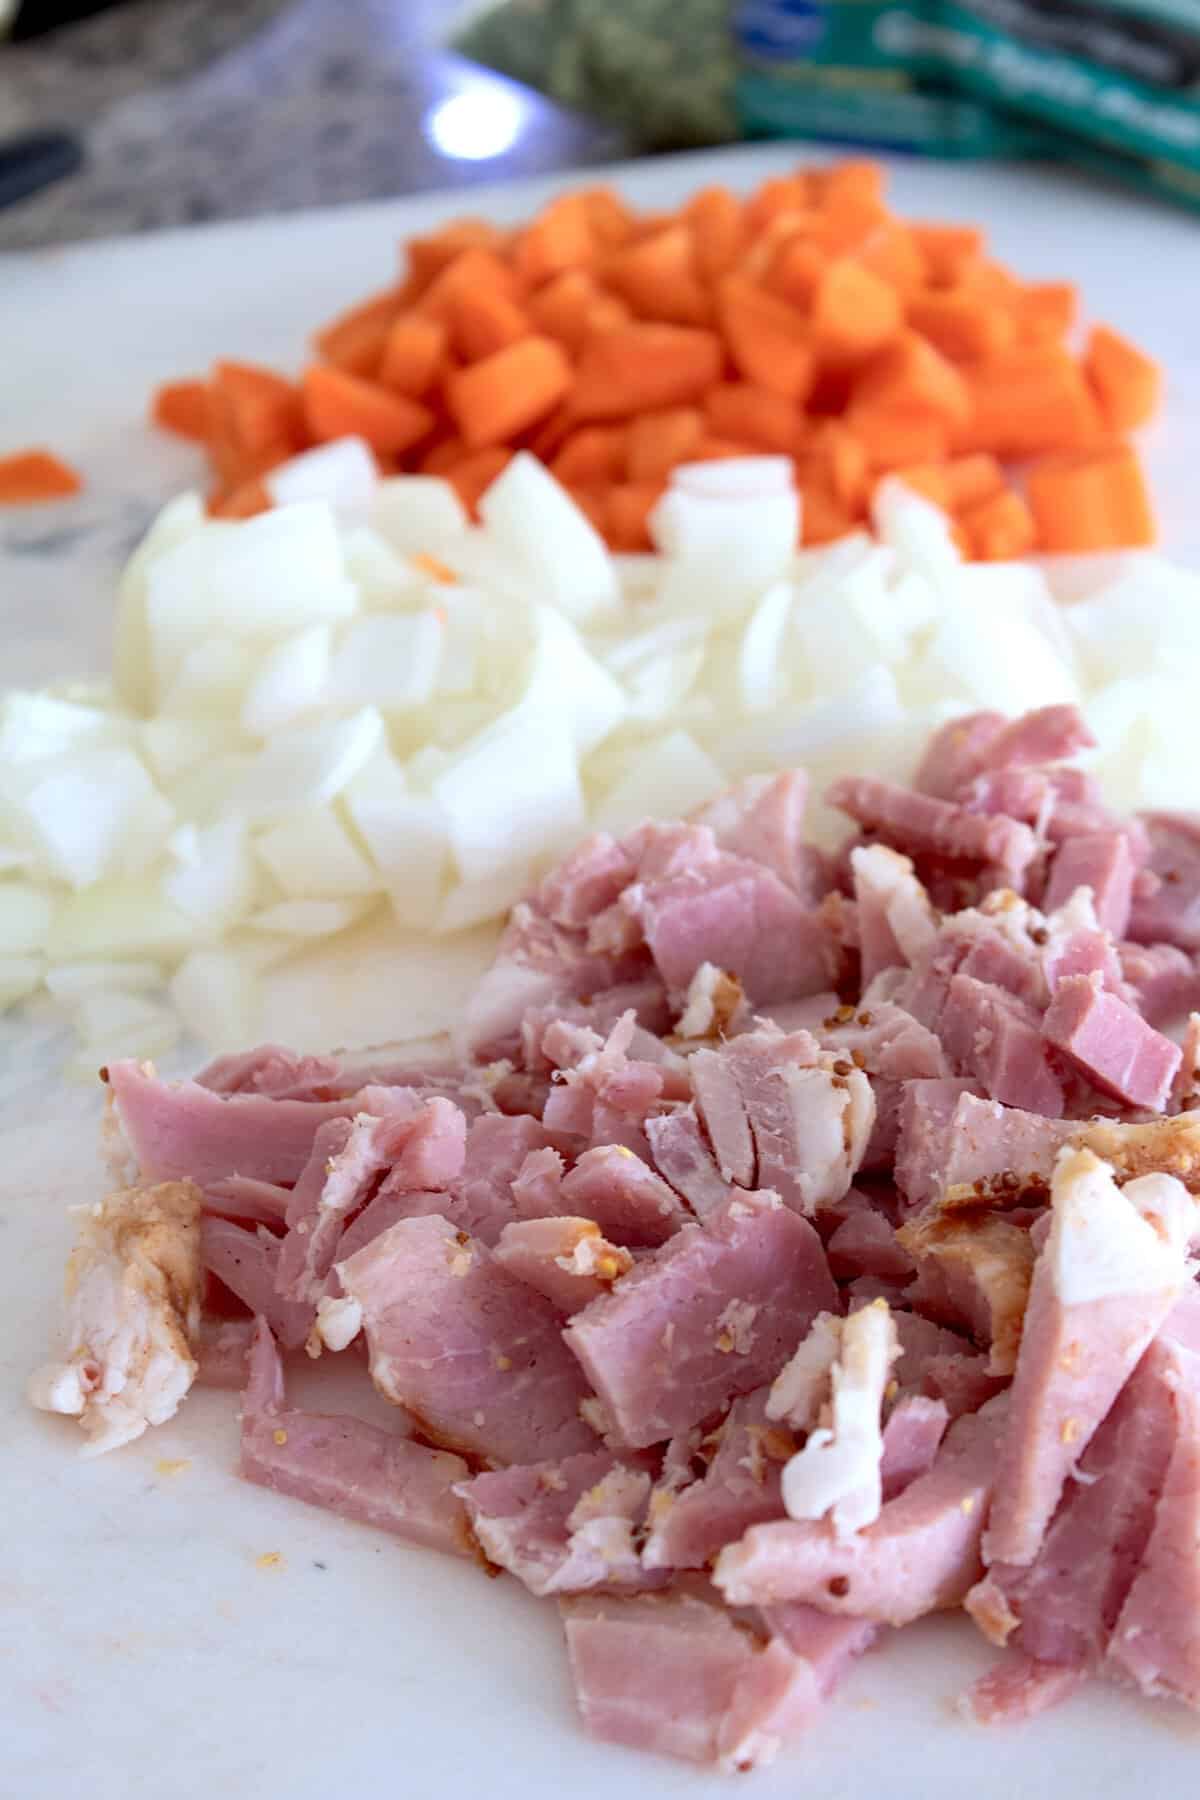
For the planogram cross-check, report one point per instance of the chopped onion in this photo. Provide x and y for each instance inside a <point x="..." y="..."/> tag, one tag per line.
<point x="529" y="516"/>
<point x="667" y="779"/>
<point x="313" y="857"/>
<point x="342" y="473"/>
<point x="20" y="976"/>
<point x="26" y="914"/>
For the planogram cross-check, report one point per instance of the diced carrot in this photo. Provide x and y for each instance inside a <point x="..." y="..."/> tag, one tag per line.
<point x="637" y="367"/>
<point x="261" y="407"/>
<point x="182" y="407"/>
<point x="475" y="474"/>
<point x="628" y="511"/>
<point x="608" y="312"/>
<point x="561" y="308"/>
<point x="970" y="480"/>
<point x="657" y="441"/>
<point x="1030" y="399"/>
<point x="1046" y="310"/>
<point x="508" y="392"/>
<point x="855" y="179"/>
<point x="752" y="415"/>
<point x="1091" y="501"/>
<point x="658" y="278"/>
<point x="471" y="271"/>
<point x="28" y="477"/>
<point x="609" y="217"/>
<point x="844" y="228"/>
<point x="414" y="355"/>
<point x="842" y="460"/>
<point x="796" y="270"/>
<point x="910" y="376"/>
<point x="961" y="325"/>
<point x="719" y="449"/>
<point x="593" y="503"/>
<point x="892" y="252"/>
<point x="591" y="457"/>
<point x="766" y="337"/>
<point x="441" y="457"/>
<point x="779" y="194"/>
<point x="895" y="439"/>
<point x="434" y="567"/>
<point x="560" y="237"/>
<point x="1127" y="382"/>
<point x="950" y="251"/>
<point x="340" y="405"/>
<point x="822" y="519"/>
<point x="354" y="340"/>
<point x="718" y="230"/>
<point x="484" y="322"/>
<point x="428" y="256"/>
<point x="242" y="502"/>
<point x="928" y="480"/>
<point x="854" y="313"/>
<point x="1000" y="528"/>
<point x="549" y="437"/>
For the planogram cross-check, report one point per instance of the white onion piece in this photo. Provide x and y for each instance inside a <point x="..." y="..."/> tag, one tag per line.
<point x="512" y="793"/>
<point x="33" y="726"/>
<point x="736" y="478"/>
<point x="384" y="578"/>
<point x="342" y="473"/>
<point x="472" y="902"/>
<point x="170" y="747"/>
<point x="119" y="919"/>
<point x="214" y="879"/>
<point x="529" y="516"/>
<point x="566" y="678"/>
<point x="916" y="529"/>
<point x="313" y="857"/>
<point x="291" y="680"/>
<point x="308" y="918"/>
<point x="27" y="912"/>
<point x="20" y="976"/>
<point x="215" y="993"/>
<point x="405" y="837"/>
<point x="133" y="671"/>
<point x="307" y="765"/>
<point x="210" y="678"/>
<point x="70" y="981"/>
<point x="418" y="514"/>
<point x="389" y="660"/>
<point x="89" y="815"/>
<point x="669" y="777"/>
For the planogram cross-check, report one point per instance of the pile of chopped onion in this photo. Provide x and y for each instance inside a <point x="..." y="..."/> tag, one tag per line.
<point x="359" y="700"/>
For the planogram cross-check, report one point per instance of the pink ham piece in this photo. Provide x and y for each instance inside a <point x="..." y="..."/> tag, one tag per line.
<point x="253" y="1202"/>
<point x="689" y="1523"/>
<point x="954" y="754"/>
<point x="221" y="1351"/>
<point x="1170" y="912"/>
<point x="417" y="1145"/>
<point x="1063" y="1607"/>
<point x="866" y="1244"/>
<point x="172" y="1127"/>
<point x="810" y="1115"/>
<point x="1162" y="981"/>
<point x="1103" y="862"/>
<point x="684" y="1158"/>
<point x="247" y="1262"/>
<point x="992" y="1036"/>
<point x="567" y="1260"/>
<point x="471" y="1351"/>
<point x="922" y="826"/>
<point x="1111" y="1043"/>
<point x="1019" y="1688"/>
<point x="627" y="1200"/>
<point x="562" y="1527"/>
<point x="788" y="1682"/>
<point x="347" y="1466"/>
<point x="762" y="819"/>
<point x="973" y="1269"/>
<point x="601" y="1093"/>
<point x="920" y="1555"/>
<point x="1111" y="1268"/>
<point x="590" y="879"/>
<point x="712" y="1314"/>
<point x="956" y="1147"/>
<point x="911" y="1440"/>
<point x="272" y="1069"/>
<point x="896" y="921"/>
<point x="884" y="1039"/>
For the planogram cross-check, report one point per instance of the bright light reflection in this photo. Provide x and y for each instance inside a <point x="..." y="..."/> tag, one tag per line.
<point x="475" y="124"/>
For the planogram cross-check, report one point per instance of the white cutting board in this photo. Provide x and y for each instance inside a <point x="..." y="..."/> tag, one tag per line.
<point x="144" y="1651"/>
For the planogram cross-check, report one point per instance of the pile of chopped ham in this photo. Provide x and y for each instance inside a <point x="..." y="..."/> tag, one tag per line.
<point x="795" y="1245"/>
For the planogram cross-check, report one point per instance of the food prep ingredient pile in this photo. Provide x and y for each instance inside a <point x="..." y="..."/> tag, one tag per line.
<point x="359" y="700"/>
<point x="806" y="320"/>
<point x="797" y="1244"/>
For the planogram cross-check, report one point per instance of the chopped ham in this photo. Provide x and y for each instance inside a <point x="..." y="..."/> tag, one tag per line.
<point x="247" y="1263"/>
<point x="786" y="1685"/>
<point x="741" y="1486"/>
<point x="837" y="1473"/>
<point x="920" y="1555"/>
<point x="974" y="1270"/>
<point x="134" y="1285"/>
<point x="802" y="1386"/>
<point x="715" y="1005"/>
<point x="954" y="755"/>
<point x="683" y="1157"/>
<point x="911" y="1440"/>
<point x="567" y="1260"/>
<point x="922" y="826"/>
<point x="1170" y="912"/>
<point x="221" y="1349"/>
<point x="347" y="1466"/>
<point x="865" y="1243"/>
<point x="1019" y="1688"/>
<point x="720" y="1104"/>
<point x="253" y="1202"/>
<point x="810" y="1115"/>
<point x="272" y="1069"/>
<point x="884" y="1039"/>
<point x="927" y="1109"/>
<point x="1111" y="1043"/>
<point x="1162" y="981"/>
<point x="601" y="1093"/>
<point x="992" y="1036"/>
<point x="974" y="1149"/>
<point x="1047" y="734"/>
<point x="711" y="1315"/>
<point x="562" y="1527"/>
<point x="762" y="819"/>
<point x="896" y="921"/>
<point x="590" y="879"/>
<point x="1103" y="862"/>
<point x="1111" y="1268"/>
<point x="471" y="1351"/>
<point x="627" y="1200"/>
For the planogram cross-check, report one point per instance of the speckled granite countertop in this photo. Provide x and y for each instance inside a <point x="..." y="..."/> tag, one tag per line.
<point x="201" y="109"/>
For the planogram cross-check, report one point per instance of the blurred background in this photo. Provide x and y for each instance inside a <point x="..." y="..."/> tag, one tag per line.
<point x="139" y="114"/>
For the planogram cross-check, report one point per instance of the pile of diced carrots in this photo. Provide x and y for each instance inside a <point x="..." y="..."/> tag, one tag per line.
<point x="806" y="320"/>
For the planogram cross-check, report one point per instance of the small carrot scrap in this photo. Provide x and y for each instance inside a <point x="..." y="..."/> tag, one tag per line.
<point x="911" y="377"/>
<point x="560" y="309"/>
<point x="854" y="312"/>
<point x="960" y="324"/>
<point x="561" y="237"/>
<point x="242" y="502"/>
<point x="414" y="354"/>
<point x="262" y="409"/>
<point x="950" y="251"/>
<point x="1046" y="310"/>
<point x="591" y="457"/>
<point x="894" y="439"/>
<point x="1127" y="382"/>
<point x="1030" y="399"/>
<point x="611" y="220"/>
<point x="1094" y="500"/>
<point x="427" y="256"/>
<point x="483" y="322"/>
<point x="474" y="474"/>
<point x="506" y="393"/>
<point x="767" y="339"/>
<point x="635" y="367"/>
<point x="718" y="230"/>
<point x="795" y="270"/>
<point x="340" y="405"/>
<point x="434" y="567"/>
<point x="999" y="528"/>
<point x="970" y="480"/>
<point x="471" y="271"/>
<point x="29" y="477"/>
<point x="752" y="415"/>
<point x="657" y="277"/>
<point x="627" y="513"/>
<point x="354" y="340"/>
<point x="182" y="407"/>
<point x="657" y="441"/>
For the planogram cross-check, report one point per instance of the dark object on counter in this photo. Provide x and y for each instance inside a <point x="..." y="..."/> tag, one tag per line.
<point x="36" y="17"/>
<point x="35" y="159"/>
